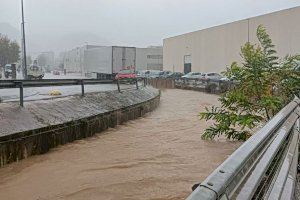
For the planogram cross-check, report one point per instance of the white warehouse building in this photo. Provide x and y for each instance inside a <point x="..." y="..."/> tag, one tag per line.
<point x="215" y="48"/>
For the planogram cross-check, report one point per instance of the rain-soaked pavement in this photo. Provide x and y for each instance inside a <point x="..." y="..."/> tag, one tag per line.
<point x="157" y="157"/>
<point x="38" y="93"/>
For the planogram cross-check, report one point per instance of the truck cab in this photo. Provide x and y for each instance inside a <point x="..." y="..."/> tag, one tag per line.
<point x="35" y="72"/>
<point x="7" y="70"/>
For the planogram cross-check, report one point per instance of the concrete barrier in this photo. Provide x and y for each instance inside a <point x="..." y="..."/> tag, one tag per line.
<point x="214" y="87"/>
<point x="43" y="125"/>
<point x="161" y="83"/>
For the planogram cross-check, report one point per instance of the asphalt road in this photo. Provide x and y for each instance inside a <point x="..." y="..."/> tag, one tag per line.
<point x="39" y="93"/>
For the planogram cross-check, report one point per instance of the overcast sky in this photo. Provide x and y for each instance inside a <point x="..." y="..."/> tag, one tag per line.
<point x="62" y="24"/>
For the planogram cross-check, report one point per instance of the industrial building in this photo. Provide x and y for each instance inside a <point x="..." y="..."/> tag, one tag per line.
<point x="150" y="58"/>
<point x="46" y="60"/>
<point x="111" y="59"/>
<point x="212" y="49"/>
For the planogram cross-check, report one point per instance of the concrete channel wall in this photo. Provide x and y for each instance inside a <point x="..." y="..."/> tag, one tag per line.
<point x="42" y="125"/>
<point x="215" y="87"/>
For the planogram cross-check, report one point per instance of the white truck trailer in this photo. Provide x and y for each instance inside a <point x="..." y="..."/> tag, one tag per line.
<point x="109" y="60"/>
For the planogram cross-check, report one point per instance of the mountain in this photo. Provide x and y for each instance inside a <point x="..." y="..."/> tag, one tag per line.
<point x="38" y="42"/>
<point x="10" y="31"/>
<point x="62" y="41"/>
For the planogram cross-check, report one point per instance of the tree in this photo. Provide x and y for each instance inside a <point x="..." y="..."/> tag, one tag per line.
<point x="264" y="84"/>
<point x="9" y="51"/>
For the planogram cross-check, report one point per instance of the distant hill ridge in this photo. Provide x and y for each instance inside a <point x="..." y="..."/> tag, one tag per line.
<point x="10" y="31"/>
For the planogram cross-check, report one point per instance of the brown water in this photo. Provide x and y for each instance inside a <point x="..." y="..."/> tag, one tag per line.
<point x="156" y="157"/>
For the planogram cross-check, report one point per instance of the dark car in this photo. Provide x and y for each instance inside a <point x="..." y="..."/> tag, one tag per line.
<point x="175" y="75"/>
<point x="166" y="74"/>
<point x="56" y="72"/>
<point x="156" y="74"/>
<point x="7" y="70"/>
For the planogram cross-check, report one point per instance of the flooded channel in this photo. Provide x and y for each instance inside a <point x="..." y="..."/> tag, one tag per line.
<point x="157" y="157"/>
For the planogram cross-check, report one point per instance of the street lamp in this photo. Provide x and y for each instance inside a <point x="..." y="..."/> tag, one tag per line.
<point x="24" y="43"/>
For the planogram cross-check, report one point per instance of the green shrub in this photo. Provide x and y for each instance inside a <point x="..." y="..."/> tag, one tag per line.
<point x="264" y="84"/>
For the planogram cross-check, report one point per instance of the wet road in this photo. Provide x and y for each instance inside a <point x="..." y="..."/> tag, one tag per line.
<point x="38" y="93"/>
<point x="157" y="157"/>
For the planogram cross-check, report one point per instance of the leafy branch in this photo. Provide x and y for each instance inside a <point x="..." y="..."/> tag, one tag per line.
<point x="264" y="84"/>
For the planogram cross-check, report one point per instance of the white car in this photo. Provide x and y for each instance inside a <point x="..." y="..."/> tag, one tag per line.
<point x="192" y="75"/>
<point x="211" y="76"/>
<point x="232" y="78"/>
<point x="224" y="79"/>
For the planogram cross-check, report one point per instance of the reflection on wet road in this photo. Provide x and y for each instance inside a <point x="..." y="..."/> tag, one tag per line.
<point x="158" y="157"/>
<point x="39" y="93"/>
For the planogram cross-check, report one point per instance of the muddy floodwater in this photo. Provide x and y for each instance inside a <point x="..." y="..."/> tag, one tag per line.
<point x="157" y="157"/>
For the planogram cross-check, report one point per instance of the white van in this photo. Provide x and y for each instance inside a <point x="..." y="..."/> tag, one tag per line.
<point x="35" y="72"/>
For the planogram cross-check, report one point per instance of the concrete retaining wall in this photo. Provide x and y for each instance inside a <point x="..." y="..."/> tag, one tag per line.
<point x="42" y="125"/>
<point x="197" y="85"/>
<point x="162" y="83"/>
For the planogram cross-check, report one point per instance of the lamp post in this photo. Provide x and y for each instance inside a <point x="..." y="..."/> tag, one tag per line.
<point x="24" y="43"/>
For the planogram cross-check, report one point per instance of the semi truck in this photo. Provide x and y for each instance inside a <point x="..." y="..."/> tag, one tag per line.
<point x="108" y="61"/>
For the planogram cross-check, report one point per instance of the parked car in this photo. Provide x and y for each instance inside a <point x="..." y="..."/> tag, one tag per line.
<point x="140" y="74"/>
<point x="193" y="75"/>
<point x="166" y="74"/>
<point x="156" y="74"/>
<point x="7" y="70"/>
<point x="211" y="76"/>
<point x="225" y="78"/>
<point x="126" y="74"/>
<point x="175" y="75"/>
<point x="56" y="72"/>
<point x="145" y="74"/>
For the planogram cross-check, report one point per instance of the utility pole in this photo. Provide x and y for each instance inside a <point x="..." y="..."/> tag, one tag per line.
<point x="248" y="21"/>
<point x="24" y="43"/>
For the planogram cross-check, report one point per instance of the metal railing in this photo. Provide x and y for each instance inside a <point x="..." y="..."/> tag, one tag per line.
<point x="264" y="167"/>
<point x="21" y="84"/>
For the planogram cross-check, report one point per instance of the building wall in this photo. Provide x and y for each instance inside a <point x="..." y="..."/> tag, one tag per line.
<point x="215" y="48"/>
<point x="46" y="59"/>
<point x="150" y="58"/>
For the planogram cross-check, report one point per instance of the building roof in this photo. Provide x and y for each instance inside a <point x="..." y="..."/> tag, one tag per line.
<point x="239" y="20"/>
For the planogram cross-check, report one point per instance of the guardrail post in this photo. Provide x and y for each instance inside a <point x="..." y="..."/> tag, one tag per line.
<point x="118" y="84"/>
<point x="136" y="83"/>
<point x="20" y="84"/>
<point x="82" y="87"/>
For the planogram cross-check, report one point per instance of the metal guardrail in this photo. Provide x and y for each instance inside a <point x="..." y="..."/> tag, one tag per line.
<point x="264" y="167"/>
<point x="21" y="84"/>
<point x="49" y="82"/>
